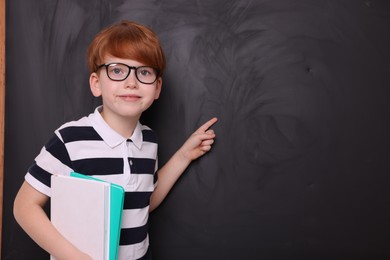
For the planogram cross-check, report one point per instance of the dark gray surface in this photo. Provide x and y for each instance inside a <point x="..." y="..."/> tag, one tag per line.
<point x="300" y="166"/>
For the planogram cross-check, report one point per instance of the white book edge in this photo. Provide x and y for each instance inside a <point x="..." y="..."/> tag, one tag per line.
<point x="80" y="212"/>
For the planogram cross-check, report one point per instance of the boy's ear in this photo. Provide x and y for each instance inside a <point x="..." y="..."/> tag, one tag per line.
<point x="94" y="84"/>
<point x="158" y="88"/>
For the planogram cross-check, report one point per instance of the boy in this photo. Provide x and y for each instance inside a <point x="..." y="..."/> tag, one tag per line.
<point x="126" y="65"/>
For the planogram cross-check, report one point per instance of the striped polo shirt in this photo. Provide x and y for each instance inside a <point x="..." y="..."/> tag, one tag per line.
<point x="89" y="146"/>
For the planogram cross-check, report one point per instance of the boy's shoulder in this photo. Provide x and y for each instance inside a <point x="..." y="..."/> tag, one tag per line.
<point x="77" y="130"/>
<point x="75" y="123"/>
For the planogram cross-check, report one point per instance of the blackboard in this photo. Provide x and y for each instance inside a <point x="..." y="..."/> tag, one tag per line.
<point x="300" y="166"/>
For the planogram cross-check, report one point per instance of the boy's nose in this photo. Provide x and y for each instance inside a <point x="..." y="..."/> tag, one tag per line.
<point x="131" y="81"/>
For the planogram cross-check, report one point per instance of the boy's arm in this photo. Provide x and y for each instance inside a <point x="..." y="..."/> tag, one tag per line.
<point x="196" y="145"/>
<point x="29" y="213"/>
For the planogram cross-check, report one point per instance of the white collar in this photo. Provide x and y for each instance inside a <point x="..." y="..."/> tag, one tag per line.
<point x="109" y="135"/>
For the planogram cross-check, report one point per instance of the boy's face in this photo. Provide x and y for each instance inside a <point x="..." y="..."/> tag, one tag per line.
<point x="127" y="98"/>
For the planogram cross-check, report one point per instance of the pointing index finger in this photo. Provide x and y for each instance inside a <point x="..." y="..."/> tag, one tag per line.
<point x="207" y="125"/>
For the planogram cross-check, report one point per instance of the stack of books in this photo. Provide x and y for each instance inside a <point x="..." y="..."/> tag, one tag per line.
<point x="88" y="212"/>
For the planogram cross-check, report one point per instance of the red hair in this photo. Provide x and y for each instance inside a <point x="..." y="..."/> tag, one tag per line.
<point x="127" y="40"/>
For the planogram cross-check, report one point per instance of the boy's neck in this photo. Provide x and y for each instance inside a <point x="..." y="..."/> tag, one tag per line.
<point x="122" y="125"/>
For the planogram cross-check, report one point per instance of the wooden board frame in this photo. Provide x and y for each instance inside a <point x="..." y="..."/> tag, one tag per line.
<point x="2" y="107"/>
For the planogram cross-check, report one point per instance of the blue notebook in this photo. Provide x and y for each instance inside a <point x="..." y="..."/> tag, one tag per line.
<point x="88" y="212"/>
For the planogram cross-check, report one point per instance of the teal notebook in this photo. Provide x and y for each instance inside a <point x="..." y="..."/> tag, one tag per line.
<point x="88" y="212"/>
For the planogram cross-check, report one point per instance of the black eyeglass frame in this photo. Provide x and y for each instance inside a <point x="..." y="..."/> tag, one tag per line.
<point x="130" y="68"/>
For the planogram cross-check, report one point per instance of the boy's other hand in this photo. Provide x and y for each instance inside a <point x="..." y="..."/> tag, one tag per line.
<point x="199" y="142"/>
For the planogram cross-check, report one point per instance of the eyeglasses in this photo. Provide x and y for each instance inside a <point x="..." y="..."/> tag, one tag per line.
<point x="120" y="72"/>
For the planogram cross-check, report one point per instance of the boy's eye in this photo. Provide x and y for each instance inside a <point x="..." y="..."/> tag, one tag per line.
<point x="117" y="70"/>
<point x="145" y="72"/>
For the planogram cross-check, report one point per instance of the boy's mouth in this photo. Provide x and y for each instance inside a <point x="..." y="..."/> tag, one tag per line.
<point x="129" y="97"/>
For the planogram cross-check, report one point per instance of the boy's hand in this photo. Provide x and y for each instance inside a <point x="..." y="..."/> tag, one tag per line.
<point x="196" y="145"/>
<point x="199" y="142"/>
<point x="83" y="256"/>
